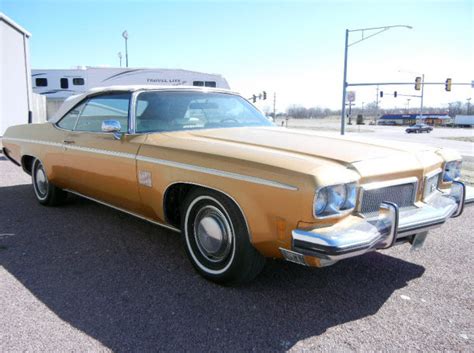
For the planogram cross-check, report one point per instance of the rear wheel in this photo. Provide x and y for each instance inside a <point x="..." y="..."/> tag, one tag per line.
<point x="217" y="239"/>
<point x="46" y="193"/>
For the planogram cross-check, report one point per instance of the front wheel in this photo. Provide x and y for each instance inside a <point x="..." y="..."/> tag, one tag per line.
<point x="217" y="239"/>
<point x="46" y="193"/>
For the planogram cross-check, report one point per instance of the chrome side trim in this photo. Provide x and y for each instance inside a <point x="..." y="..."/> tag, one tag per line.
<point x="211" y="188"/>
<point x="217" y="172"/>
<point x="124" y="211"/>
<point x="39" y="142"/>
<point x="179" y="165"/>
<point x="100" y="151"/>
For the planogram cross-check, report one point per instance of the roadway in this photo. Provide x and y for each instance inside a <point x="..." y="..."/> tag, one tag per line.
<point x="84" y="277"/>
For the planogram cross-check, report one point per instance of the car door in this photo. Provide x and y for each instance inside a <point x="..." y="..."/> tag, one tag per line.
<point x="102" y="165"/>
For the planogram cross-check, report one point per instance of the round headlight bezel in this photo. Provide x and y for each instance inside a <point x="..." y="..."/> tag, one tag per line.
<point x="340" y="199"/>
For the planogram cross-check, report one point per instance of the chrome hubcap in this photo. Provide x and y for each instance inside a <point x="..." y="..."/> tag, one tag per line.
<point x="41" y="181"/>
<point x="213" y="233"/>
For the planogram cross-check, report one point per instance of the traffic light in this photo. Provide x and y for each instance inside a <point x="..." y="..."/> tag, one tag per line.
<point x="447" y="85"/>
<point x="381" y="94"/>
<point x="264" y="95"/>
<point x="418" y="83"/>
<point x="395" y="94"/>
<point x="254" y="98"/>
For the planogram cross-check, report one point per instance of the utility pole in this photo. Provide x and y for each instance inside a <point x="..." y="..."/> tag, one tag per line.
<point x="274" y="106"/>
<point x="376" y="104"/>
<point x="422" y="93"/>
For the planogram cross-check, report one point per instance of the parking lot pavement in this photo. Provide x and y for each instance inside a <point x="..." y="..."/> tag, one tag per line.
<point x="84" y="277"/>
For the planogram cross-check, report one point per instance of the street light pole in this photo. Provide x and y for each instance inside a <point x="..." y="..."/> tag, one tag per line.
<point x="344" y="84"/>
<point x="422" y="93"/>
<point x="468" y="106"/>
<point x="346" y="47"/>
<point x="120" y="58"/>
<point x="125" y="36"/>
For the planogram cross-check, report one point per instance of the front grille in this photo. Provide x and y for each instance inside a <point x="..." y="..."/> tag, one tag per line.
<point x="403" y="195"/>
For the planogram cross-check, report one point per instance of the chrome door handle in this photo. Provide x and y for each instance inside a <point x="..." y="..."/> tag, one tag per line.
<point x="68" y="142"/>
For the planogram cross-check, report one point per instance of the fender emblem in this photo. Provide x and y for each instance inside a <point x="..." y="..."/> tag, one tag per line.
<point x="144" y="178"/>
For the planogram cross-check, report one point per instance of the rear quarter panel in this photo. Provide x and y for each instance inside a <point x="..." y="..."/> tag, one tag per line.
<point x="42" y="141"/>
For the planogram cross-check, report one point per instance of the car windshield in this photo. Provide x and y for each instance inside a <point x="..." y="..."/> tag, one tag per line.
<point x="174" y="110"/>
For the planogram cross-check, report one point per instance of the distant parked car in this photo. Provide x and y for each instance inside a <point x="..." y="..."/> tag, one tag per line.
<point x="419" y="128"/>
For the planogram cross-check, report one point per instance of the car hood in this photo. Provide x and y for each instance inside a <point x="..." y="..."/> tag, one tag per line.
<point x="329" y="146"/>
<point x="303" y="151"/>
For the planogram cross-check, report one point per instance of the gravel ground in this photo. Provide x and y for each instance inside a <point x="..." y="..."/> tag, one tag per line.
<point x="84" y="277"/>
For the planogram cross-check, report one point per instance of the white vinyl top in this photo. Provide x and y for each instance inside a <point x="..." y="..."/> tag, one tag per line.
<point x="15" y="25"/>
<point x="70" y="102"/>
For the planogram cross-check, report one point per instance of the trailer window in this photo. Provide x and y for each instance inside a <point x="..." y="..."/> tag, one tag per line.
<point x="41" y="82"/>
<point x="78" y="81"/>
<point x="198" y="83"/>
<point x="210" y="84"/>
<point x="64" y="83"/>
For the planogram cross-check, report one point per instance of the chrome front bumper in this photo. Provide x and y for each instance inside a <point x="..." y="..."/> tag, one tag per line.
<point x="356" y="235"/>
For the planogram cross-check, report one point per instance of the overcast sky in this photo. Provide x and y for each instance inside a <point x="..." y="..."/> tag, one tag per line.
<point x="294" y="48"/>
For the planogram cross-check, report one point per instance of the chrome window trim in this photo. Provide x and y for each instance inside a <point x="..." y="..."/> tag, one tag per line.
<point x="383" y="184"/>
<point x="132" y="112"/>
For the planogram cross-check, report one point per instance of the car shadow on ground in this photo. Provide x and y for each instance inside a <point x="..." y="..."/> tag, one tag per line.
<point x="128" y="284"/>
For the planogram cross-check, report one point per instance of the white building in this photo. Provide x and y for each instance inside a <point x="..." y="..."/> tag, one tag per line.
<point x="15" y="75"/>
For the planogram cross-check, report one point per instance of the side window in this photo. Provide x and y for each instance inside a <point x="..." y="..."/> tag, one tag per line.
<point x="68" y="122"/>
<point x="41" y="82"/>
<point x="210" y="84"/>
<point x="64" y="83"/>
<point x="198" y="83"/>
<point x="106" y="107"/>
<point x="78" y="81"/>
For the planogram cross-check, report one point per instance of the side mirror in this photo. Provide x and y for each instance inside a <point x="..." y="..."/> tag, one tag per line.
<point x="111" y="126"/>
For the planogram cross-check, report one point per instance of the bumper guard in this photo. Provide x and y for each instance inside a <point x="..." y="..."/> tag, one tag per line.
<point x="356" y="235"/>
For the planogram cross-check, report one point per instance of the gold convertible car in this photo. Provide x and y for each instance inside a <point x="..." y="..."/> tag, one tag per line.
<point x="206" y="163"/>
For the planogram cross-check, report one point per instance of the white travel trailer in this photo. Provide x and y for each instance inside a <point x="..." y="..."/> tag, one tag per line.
<point x="57" y="84"/>
<point x="61" y="84"/>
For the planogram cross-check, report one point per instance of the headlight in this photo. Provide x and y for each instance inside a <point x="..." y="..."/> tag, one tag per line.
<point x="452" y="171"/>
<point x="334" y="200"/>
